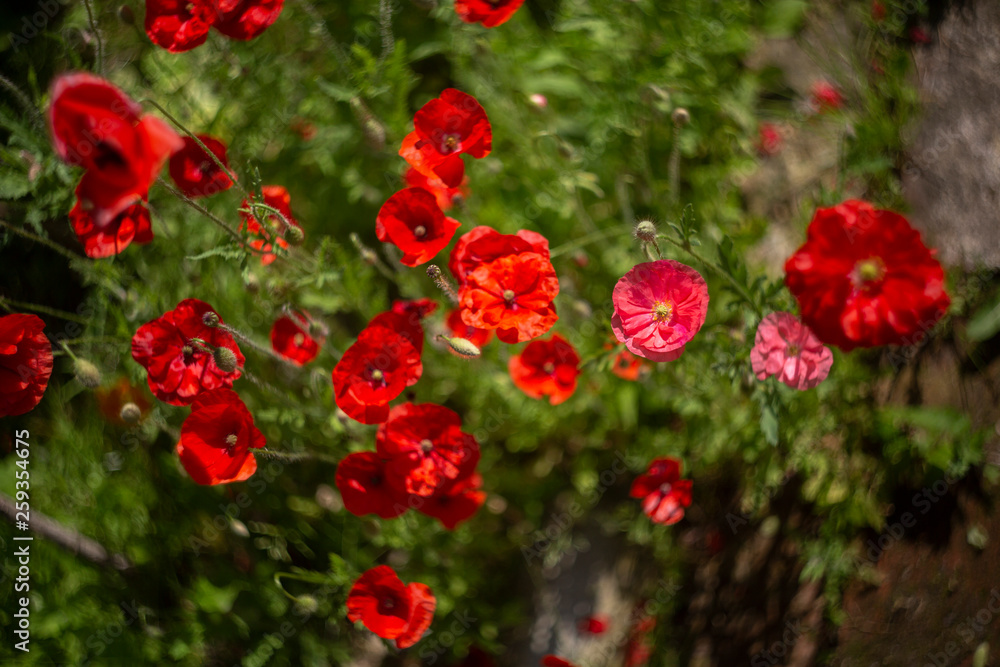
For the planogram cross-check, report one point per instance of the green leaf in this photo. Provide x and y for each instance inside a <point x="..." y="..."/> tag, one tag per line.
<point x="985" y="323"/>
<point x="783" y="17"/>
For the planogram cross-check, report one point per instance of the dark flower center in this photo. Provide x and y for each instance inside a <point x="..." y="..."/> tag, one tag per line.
<point x="868" y="271"/>
<point x="427" y="446"/>
<point x="419" y="231"/>
<point x="449" y="144"/>
<point x="549" y="367"/>
<point x="231" y="441"/>
<point x="508" y="296"/>
<point x="298" y="339"/>
<point x="387" y="605"/>
<point x="107" y="156"/>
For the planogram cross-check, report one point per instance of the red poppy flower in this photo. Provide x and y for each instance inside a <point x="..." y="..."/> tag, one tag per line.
<point x="96" y="126"/>
<point x="449" y="125"/>
<point x="176" y="350"/>
<point x="458" y="328"/>
<point x="664" y="493"/>
<point x="594" y="625"/>
<point x="195" y="172"/>
<point x="132" y="224"/>
<point x="421" y="307"/>
<point x="546" y="368"/>
<point x="373" y="371"/>
<point x="216" y="439"/>
<point x="769" y="139"/>
<point x="405" y="324"/>
<point x="412" y="221"/>
<point x="878" y="10"/>
<point x="556" y="661"/>
<point x="626" y="365"/>
<point x="245" y="19"/>
<point x="512" y="294"/>
<point x="365" y="488"/>
<point x="266" y="235"/>
<point x="390" y="609"/>
<point x="179" y="25"/>
<point x="490" y="13"/>
<point x="484" y="244"/>
<point x="292" y="338"/>
<point x="25" y="363"/>
<point x="825" y="97"/>
<point x="864" y="278"/>
<point x="425" y="447"/>
<point x="446" y="196"/>
<point x="455" y="501"/>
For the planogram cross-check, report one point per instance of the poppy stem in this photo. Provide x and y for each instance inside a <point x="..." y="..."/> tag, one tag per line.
<point x="97" y="37"/>
<point x="211" y="216"/>
<point x="215" y="158"/>
<point x="24" y="101"/>
<point x="385" y="28"/>
<point x="740" y="289"/>
<point x="371" y="257"/>
<point x="294" y="457"/>
<point x="587" y="239"/>
<point x="236" y="333"/>
<point x="38" y="239"/>
<point x="6" y="302"/>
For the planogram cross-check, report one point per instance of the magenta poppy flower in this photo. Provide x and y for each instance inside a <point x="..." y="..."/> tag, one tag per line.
<point x="786" y="347"/>
<point x="659" y="307"/>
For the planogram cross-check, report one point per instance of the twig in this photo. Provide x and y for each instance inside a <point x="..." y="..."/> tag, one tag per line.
<point x="65" y="537"/>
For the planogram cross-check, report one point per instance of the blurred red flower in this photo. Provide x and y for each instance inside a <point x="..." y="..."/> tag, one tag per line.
<point x="420" y="308"/>
<point x="363" y="485"/>
<point x="373" y="371"/>
<point x="292" y="338"/>
<point x="176" y="349"/>
<point x="195" y="172"/>
<point x="626" y="365"/>
<point x="825" y="97"/>
<point x="25" y="363"/>
<point x="658" y="308"/>
<point x="546" y="368"/>
<point x="490" y="13"/>
<point x="594" y="625"/>
<point x="181" y="25"/>
<point x="556" y="661"/>
<point x="664" y="493"/>
<point x="454" y="501"/>
<point x="270" y="233"/>
<point x="864" y="278"/>
<point x="132" y="224"/>
<point x="446" y="196"/>
<point x="769" y="139"/>
<point x="110" y="400"/>
<point x="425" y="447"/>
<point x="389" y="608"/>
<point x="96" y="126"/>
<point x="458" y="328"/>
<point x="878" y="10"/>
<point x="411" y="220"/>
<point x="216" y="439"/>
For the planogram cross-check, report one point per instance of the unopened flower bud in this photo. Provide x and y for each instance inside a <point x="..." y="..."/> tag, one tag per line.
<point x="126" y="15"/>
<point x="645" y="231"/>
<point x="434" y="271"/>
<point x="225" y="359"/>
<point x="87" y="373"/>
<point x="294" y="235"/>
<point x="681" y="117"/>
<point x="130" y="413"/>
<point x="462" y="347"/>
<point x="306" y="604"/>
<point x="373" y="130"/>
<point x="210" y="319"/>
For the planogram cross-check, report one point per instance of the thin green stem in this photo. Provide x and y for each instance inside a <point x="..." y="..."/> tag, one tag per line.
<point x="25" y="101"/>
<point x="213" y="156"/>
<point x="294" y="457"/>
<point x="587" y="239"/>
<point x="97" y="37"/>
<point x="45" y="310"/>
<point x="385" y="27"/>
<point x="211" y="216"/>
<point x="740" y="289"/>
<point x="236" y="333"/>
<point x="38" y="239"/>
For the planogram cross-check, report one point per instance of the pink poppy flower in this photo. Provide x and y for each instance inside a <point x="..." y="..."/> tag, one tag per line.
<point x="786" y="347"/>
<point x="659" y="307"/>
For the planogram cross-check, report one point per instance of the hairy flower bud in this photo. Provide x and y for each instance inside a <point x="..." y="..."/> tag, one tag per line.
<point x="462" y="347"/>
<point x="645" y="231"/>
<point x="210" y="319"/>
<point x="294" y="235"/>
<point x="225" y="359"/>
<point x="130" y="413"/>
<point x="681" y="117"/>
<point x="87" y="373"/>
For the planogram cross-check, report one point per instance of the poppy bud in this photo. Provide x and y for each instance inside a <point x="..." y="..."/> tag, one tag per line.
<point x="681" y="117"/>
<point x="210" y="319"/>
<point x="462" y="347"/>
<point x="434" y="271"/>
<point x="225" y="359"/>
<point x="374" y="130"/>
<point x="125" y="15"/>
<point x="306" y="604"/>
<point x="130" y="413"/>
<point x="87" y="373"/>
<point x="252" y="283"/>
<point x="645" y="231"/>
<point x="294" y="235"/>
